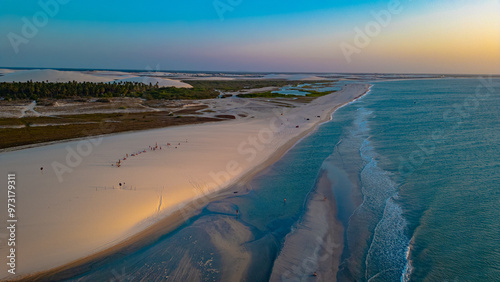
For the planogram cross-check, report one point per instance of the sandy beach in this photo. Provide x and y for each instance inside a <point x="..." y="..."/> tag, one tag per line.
<point x="82" y="205"/>
<point x="316" y="245"/>
<point x="250" y="141"/>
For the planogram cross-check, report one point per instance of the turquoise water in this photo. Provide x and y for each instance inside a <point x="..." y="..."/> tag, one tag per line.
<point x="430" y="181"/>
<point x="415" y="170"/>
<point x="262" y="210"/>
<point x="289" y="91"/>
<point x="299" y="90"/>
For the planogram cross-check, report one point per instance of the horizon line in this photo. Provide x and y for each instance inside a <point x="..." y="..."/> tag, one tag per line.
<point x="244" y="72"/>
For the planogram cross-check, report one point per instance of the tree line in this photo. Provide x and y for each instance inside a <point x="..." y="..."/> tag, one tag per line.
<point x="57" y="90"/>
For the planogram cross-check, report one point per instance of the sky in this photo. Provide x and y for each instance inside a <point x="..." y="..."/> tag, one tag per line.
<point x="396" y="36"/>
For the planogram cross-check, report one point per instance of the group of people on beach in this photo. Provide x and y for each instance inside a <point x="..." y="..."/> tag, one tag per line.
<point x="151" y="148"/>
<point x="119" y="162"/>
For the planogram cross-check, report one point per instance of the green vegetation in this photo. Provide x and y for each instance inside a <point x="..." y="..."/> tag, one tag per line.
<point x="270" y="94"/>
<point x="38" y="90"/>
<point x="48" y="90"/>
<point x="85" y="125"/>
<point x="30" y="130"/>
<point x="202" y="89"/>
<point x="235" y="85"/>
<point x="172" y="93"/>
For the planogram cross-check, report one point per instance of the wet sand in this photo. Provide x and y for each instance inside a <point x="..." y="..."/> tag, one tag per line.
<point x="316" y="245"/>
<point x="178" y="218"/>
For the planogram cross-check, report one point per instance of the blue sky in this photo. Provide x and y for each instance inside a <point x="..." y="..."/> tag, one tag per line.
<point x="256" y="35"/>
<point x="128" y="11"/>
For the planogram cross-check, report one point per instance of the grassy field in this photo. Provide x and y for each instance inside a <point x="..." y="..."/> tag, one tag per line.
<point x="31" y="130"/>
<point x="86" y="125"/>
<point x="235" y="85"/>
<point x="202" y="89"/>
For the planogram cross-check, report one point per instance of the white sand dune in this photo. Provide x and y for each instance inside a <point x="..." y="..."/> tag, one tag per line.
<point x="156" y="73"/>
<point x="5" y="71"/>
<point x="52" y="76"/>
<point x="8" y="75"/>
<point x="97" y="76"/>
<point x="106" y="73"/>
<point x="110" y="76"/>
<point x="162" y="82"/>
<point x="69" y="210"/>
<point x="304" y="77"/>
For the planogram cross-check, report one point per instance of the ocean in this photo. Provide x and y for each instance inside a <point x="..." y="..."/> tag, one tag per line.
<point x="429" y="172"/>
<point x="415" y="170"/>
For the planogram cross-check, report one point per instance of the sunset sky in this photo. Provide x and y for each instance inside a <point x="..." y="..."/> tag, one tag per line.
<point x="445" y="36"/>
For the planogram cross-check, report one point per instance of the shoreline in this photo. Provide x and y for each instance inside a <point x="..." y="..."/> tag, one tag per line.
<point x="178" y="217"/>
<point x="294" y="141"/>
<point x="316" y="245"/>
